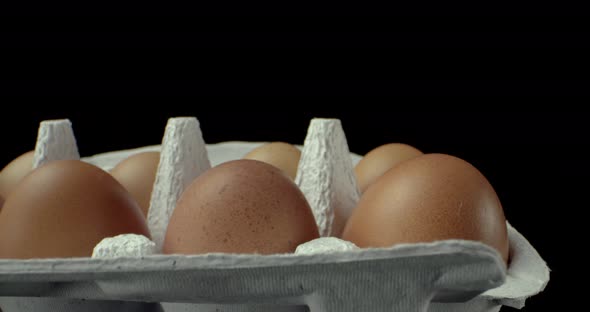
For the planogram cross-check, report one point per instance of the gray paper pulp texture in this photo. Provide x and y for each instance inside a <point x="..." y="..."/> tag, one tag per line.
<point x="452" y="275"/>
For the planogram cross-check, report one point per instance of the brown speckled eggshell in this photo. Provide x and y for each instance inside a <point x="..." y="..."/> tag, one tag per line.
<point x="63" y="209"/>
<point x="241" y="206"/>
<point x="429" y="198"/>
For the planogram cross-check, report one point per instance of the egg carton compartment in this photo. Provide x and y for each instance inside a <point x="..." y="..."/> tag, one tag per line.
<point x="322" y="275"/>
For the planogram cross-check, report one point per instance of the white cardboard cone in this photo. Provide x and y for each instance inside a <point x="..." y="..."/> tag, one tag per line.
<point x="325" y="245"/>
<point x="55" y="141"/>
<point x="124" y="245"/>
<point x="326" y="175"/>
<point x="183" y="157"/>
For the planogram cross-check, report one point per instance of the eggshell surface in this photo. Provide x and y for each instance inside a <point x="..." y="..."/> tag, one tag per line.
<point x="14" y="172"/>
<point x="63" y="209"/>
<point x="377" y="161"/>
<point x="279" y="154"/>
<point x="429" y="198"/>
<point x="137" y="174"/>
<point x="240" y="206"/>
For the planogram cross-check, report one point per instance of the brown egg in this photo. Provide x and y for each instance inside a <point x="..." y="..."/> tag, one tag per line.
<point x="429" y="198"/>
<point x="376" y="162"/>
<point x="279" y="154"/>
<point x="63" y="209"/>
<point x="1" y="202"/>
<point x="14" y="172"/>
<point x="240" y="206"/>
<point x="137" y="174"/>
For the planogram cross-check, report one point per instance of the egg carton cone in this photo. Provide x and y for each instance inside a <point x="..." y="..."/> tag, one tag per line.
<point x="128" y="272"/>
<point x="183" y="157"/>
<point x="55" y="141"/>
<point x="326" y="177"/>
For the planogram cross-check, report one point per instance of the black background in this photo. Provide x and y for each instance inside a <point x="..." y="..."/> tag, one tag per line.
<point x="391" y="74"/>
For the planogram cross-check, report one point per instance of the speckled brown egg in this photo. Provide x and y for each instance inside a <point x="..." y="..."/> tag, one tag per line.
<point x="240" y="206"/>
<point x="14" y="172"/>
<point x="380" y="159"/>
<point x="137" y="174"/>
<point x="63" y="209"/>
<point x="279" y="154"/>
<point x="1" y="202"/>
<point x="429" y="198"/>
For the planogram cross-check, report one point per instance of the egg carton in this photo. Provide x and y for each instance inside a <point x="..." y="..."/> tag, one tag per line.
<point x="326" y="274"/>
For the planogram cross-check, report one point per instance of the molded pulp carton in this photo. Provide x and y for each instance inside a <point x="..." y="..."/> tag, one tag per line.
<point x="325" y="275"/>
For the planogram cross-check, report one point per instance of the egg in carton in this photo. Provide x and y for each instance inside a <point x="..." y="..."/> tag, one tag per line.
<point x="129" y="273"/>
